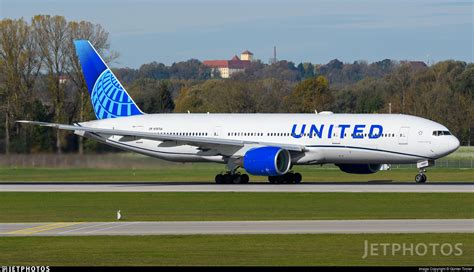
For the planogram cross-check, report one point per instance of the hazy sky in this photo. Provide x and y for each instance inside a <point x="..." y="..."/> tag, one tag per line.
<point x="303" y="30"/>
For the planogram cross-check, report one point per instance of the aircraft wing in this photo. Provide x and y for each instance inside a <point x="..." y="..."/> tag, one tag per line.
<point x="189" y="140"/>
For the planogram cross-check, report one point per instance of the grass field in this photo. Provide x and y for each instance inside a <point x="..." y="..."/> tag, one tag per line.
<point x="53" y="207"/>
<point x="463" y="153"/>
<point x="206" y="172"/>
<point x="302" y="249"/>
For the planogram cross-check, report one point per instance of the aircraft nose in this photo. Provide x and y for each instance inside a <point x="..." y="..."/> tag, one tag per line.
<point x="453" y="144"/>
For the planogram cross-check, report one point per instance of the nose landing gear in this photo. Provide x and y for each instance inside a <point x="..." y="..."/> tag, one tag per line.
<point x="422" y="165"/>
<point x="420" y="178"/>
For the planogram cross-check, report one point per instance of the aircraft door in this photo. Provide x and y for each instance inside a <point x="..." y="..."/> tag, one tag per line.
<point x="217" y="131"/>
<point x="336" y="133"/>
<point x="403" y="135"/>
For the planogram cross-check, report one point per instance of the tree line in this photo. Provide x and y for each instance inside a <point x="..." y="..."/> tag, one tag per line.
<point x="41" y="79"/>
<point x="35" y="59"/>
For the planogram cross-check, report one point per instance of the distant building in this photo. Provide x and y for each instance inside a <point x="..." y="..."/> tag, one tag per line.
<point x="415" y="65"/>
<point x="246" y="55"/>
<point x="226" y="68"/>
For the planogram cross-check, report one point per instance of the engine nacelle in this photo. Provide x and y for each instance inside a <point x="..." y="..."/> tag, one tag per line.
<point x="360" y="168"/>
<point x="267" y="161"/>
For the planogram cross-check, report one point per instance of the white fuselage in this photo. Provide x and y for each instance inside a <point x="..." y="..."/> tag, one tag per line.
<point x="327" y="138"/>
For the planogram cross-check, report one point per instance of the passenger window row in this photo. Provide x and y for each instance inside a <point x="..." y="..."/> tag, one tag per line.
<point x="184" y="133"/>
<point x="283" y="134"/>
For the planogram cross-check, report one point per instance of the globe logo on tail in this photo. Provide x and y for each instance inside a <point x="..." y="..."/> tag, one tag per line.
<point x="109" y="98"/>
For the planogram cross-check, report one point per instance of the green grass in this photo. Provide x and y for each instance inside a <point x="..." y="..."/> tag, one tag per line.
<point x="302" y="249"/>
<point x="464" y="152"/>
<point x="206" y="173"/>
<point x="157" y="206"/>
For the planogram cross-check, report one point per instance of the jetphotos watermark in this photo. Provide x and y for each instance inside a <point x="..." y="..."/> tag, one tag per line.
<point x="411" y="249"/>
<point x="25" y="268"/>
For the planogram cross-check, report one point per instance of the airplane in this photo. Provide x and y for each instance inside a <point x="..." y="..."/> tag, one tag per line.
<point x="262" y="144"/>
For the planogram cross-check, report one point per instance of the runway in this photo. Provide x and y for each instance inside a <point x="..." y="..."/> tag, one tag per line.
<point x="445" y="187"/>
<point x="238" y="227"/>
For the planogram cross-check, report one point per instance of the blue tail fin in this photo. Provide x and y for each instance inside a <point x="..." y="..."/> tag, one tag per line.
<point x="109" y="98"/>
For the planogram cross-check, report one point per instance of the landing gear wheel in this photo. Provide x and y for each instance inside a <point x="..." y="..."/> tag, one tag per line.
<point x="420" y="178"/>
<point x="244" y="179"/>
<point x="280" y="179"/>
<point x="236" y="179"/>
<point x="297" y="177"/>
<point x="228" y="178"/>
<point x="219" y="179"/>
<point x="289" y="178"/>
<point x="272" y="179"/>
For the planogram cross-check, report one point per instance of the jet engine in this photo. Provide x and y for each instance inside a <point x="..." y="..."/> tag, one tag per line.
<point x="267" y="161"/>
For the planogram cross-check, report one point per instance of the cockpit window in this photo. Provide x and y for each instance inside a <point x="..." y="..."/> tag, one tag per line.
<point x="441" y="132"/>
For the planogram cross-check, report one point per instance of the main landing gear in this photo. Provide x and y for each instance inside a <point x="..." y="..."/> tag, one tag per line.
<point x="229" y="178"/>
<point x="232" y="176"/>
<point x="288" y="178"/>
<point x="421" y="177"/>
